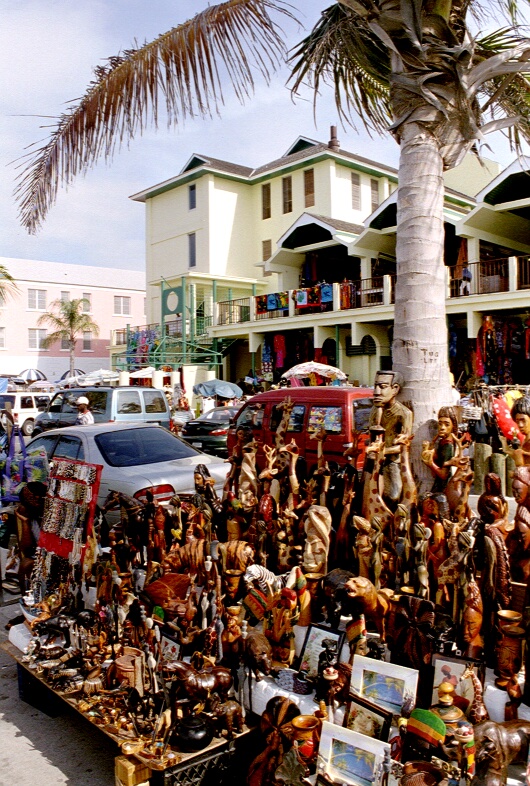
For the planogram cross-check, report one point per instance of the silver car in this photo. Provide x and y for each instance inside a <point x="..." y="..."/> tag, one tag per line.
<point x="134" y="458"/>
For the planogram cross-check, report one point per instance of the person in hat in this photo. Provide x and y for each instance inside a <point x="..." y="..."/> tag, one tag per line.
<point x="84" y="415"/>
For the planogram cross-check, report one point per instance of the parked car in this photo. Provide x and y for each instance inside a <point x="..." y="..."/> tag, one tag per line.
<point x="25" y="407"/>
<point x="134" y="457"/>
<point x="340" y="410"/>
<point x="210" y="430"/>
<point x="108" y="405"/>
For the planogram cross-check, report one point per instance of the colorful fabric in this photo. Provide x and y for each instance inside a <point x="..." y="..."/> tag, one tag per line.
<point x="255" y="602"/>
<point x="261" y="304"/>
<point x="313" y="296"/>
<point x="283" y="300"/>
<point x="301" y="298"/>
<point x="272" y="302"/>
<point x="326" y="293"/>
<point x="426" y="725"/>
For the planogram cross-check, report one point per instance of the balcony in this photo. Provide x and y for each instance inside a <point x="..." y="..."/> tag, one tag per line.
<point x="487" y="277"/>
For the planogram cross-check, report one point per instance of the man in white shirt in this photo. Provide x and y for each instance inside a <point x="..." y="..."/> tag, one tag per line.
<point x="85" y="416"/>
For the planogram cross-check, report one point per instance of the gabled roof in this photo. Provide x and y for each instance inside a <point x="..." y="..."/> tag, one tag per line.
<point x="302" y="150"/>
<point x="511" y="184"/>
<point x="310" y="229"/>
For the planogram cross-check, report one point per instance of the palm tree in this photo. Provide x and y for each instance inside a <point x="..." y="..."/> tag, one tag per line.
<point x="68" y="322"/>
<point x="411" y="67"/>
<point x="8" y="284"/>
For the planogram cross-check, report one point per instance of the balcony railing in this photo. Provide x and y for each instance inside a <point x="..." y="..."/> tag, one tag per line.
<point x="480" y="278"/>
<point x="233" y="312"/>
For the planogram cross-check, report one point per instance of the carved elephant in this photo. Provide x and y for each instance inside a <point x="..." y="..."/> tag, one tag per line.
<point x="498" y="745"/>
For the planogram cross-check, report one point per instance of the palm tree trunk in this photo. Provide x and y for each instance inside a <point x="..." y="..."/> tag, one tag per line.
<point x="420" y="328"/>
<point x="72" y="356"/>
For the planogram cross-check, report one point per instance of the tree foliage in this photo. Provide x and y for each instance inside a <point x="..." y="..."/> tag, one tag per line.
<point x="67" y="323"/>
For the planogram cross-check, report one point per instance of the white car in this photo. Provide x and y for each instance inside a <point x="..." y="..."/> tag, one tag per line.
<point x="134" y="457"/>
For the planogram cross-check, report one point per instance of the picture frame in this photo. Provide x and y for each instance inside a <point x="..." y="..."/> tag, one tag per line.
<point x="448" y="669"/>
<point x="170" y="648"/>
<point x="385" y="684"/>
<point x="365" y="717"/>
<point x="312" y="647"/>
<point x="348" y="757"/>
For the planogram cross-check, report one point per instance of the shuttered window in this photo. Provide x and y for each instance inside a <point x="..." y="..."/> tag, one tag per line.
<point x="266" y="252"/>
<point x="266" y="200"/>
<point x="192" y="250"/>
<point x="287" y="192"/>
<point x="355" y="190"/>
<point x="374" y="186"/>
<point x="309" y="187"/>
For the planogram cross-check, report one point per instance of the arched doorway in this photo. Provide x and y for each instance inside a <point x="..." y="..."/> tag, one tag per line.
<point x="329" y="351"/>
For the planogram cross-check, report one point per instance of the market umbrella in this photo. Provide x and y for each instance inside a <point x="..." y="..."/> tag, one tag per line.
<point x="98" y="377"/>
<point x="31" y="375"/>
<point x="306" y="369"/>
<point x="142" y="373"/>
<point x="217" y="387"/>
<point x="77" y="373"/>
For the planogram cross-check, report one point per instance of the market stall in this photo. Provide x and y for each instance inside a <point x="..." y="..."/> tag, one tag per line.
<point x="369" y="634"/>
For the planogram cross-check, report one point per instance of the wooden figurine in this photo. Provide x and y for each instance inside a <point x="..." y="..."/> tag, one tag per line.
<point x="395" y="419"/>
<point x="497" y="746"/>
<point x="317" y="528"/>
<point x="437" y="454"/>
<point x="278" y="627"/>
<point x="520" y="560"/>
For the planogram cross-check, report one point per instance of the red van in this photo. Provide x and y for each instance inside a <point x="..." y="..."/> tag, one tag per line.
<point x="341" y="410"/>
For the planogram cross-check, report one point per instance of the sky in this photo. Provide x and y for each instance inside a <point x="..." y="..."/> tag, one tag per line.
<point x="48" y="49"/>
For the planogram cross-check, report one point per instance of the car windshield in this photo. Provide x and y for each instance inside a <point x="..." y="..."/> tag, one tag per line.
<point x="134" y="447"/>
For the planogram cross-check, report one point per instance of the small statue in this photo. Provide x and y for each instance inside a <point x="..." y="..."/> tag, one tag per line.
<point x="278" y="627"/>
<point x="363" y="547"/>
<point x="437" y="454"/>
<point x="317" y="527"/>
<point x="520" y="560"/>
<point x="472" y="621"/>
<point x="328" y="659"/>
<point x="395" y="419"/>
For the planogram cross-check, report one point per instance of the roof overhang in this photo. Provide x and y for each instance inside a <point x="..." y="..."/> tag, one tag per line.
<point x="309" y="232"/>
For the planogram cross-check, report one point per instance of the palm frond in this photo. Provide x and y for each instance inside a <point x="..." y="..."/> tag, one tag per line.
<point x="67" y="320"/>
<point x="8" y="285"/>
<point x="184" y="67"/>
<point x="343" y="51"/>
<point x="53" y="338"/>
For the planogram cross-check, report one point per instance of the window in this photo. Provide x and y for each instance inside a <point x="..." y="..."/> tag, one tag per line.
<point x="47" y="442"/>
<point x="87" y="341"/>
<point x="266" y="200"/>
<point x="7" y="400"/>
<point x="362" y="408"/>
<point x="251" y="417"/>
<point x="135" y="447"/>
<point x="122" y="305"/>
<point x="65" y="297"/>
<point x="296" y="421"/>
<point x="87" y="303"/>
<point x="328" y="417"/>
<point x="287" y="192"/>
<point x="266" y="250"/>
<point x="37" y="299"/>
<point x="309" y="187"/>
<point x="154" y="401"/>
<point x="41" y="402"/>
<point x="192" y="250"/>
<point x="65" y="343"/>
<point x="192" y="197"/>
<point x="69" y="447"/>
<point x="120" y="337"/>
<point x="2" y="338"/>
<point x="355" y="191"/>
<point x="374" y="186"/>
<point x="36" y="337"/>
<point x="128" y="402"/>
<point x="26" y="402"/>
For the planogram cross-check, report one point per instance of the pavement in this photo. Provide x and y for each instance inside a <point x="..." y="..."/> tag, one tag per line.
<point x="39" y="750"/>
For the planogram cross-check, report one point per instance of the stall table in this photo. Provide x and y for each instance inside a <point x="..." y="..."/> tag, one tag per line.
<point x="215" y="764"/>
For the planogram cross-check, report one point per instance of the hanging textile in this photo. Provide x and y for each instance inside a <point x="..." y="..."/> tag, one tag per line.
<point x="300" y="298"/>
<point x="313" y="296"/>
<point x="283" y="300"/>
<point x="261" y="304"/>
<point x="272" y="302"/>
<point x="280" y="349"/>
<point x="326" y="293"/>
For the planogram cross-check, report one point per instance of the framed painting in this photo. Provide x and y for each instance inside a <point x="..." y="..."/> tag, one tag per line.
<point x="385" y="684"/>
<point x="169" y="648"/>
<point x="365" y="717"/>
<point x="349" y="757"/>
<point x="456" y="672"/>
<point x="313" y="646"/>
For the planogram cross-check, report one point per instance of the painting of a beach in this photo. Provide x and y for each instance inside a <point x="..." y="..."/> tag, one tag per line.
<point x="384" y="690"/>
<point x="355" y="764"/>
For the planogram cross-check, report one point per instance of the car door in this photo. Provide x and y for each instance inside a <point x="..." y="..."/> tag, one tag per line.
<point x="52" y="417"/>
<point x="128" y="406"/>
<point x="69" y="409"/>
<point x="69" y="446"/>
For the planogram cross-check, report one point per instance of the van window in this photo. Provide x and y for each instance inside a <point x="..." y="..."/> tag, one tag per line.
<point x="26" y="402"/>
<point x="154" y="401"/>
<point x="7" y="400"/>
<point x="296" y="420"/>
<point x="361" y="413"/>
<point x="251" y="417"/>
<point x="57" y="403"/>
<point x="69" y="405"/>
<point x="328" y="417"/>
<point x="128" y="402"/>
<point x="42" y="401"/>
<point x="98" y="400"/>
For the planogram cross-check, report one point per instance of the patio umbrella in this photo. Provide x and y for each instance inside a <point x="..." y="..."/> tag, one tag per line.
<point x="98" y="377"/>
<point x="77" y="373"/>
<point x="31" y="375"/>
<point x="142" y="373"/>
<point x="306" y="369"/>
<point x="217" y="387"/>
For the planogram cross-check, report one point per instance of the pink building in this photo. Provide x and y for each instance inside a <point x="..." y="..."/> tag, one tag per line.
<point x="116" y="297"/>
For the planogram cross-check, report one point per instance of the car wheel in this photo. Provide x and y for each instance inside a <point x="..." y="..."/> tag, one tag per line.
<point x="28" y="427"/>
